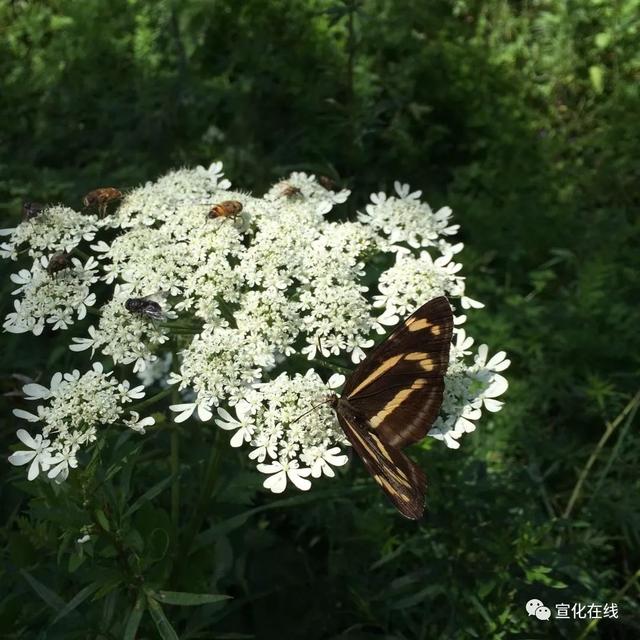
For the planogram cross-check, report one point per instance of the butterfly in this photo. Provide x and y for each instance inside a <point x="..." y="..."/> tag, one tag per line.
<point x="393" y="397"/>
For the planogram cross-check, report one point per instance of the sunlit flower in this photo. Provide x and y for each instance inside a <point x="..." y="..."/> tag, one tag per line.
<point x="39" y="455"/>
<point x="248" y="304"/>
<point x="283" y="471"/>
<point x="74" y="406"/>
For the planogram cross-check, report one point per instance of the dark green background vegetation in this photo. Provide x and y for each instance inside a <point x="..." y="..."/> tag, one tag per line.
<point x="521" y="115"/>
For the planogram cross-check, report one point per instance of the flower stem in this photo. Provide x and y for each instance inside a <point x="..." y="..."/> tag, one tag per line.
<point x="327" y="364"/>
<point x="175" y="467"/>
<point x="81" y="254"/>
<point x="200" y="510"/>
<point x="153" y="399"/>
<point x="227" y="312"/>
<point x="610" y="428"/>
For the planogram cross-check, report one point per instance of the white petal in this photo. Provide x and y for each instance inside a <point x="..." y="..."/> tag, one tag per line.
<point x="451" y="442"/>
<point x="335" y="460"/>
<point x="228" y="426"/>
<point x="481" y="358"/>
<point x="21" y="457"/>
<point x="238" y="439"/>
<point x="243" y="409"/>
<point x="498" y="362"/>
<point x="277" y="482"/>
<point x="35" y="391"/>
<point x="25" y="415"/>
<point x="296" y="476"/>
<point x="498" y="386"/>
<point x="25" y="437"/>
<point x="493" y="405"/>
<point x="465" y="426"/>
<point x="185" y="411"/>
<point x="328" y="471"/>
<point x="226" y="416"/>
<point x="56" y="379"/>
<point x="34" y="470"/>
<point x="136" y="393"/>
<point x="335" y="381"/>
<point x="269" y="468"/>
<point x="204" y="413"/>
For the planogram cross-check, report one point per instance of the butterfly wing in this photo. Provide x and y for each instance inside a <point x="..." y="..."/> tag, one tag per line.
<point x="399" y="387"/>
<point x="402" y="480"/>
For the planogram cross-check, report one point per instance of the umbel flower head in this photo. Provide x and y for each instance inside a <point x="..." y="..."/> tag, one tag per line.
<point x="253" y="313"/>
<point x="75" y="406"/>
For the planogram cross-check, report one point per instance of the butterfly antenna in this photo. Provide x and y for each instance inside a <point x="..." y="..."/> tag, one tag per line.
<point x="306" y="413"/>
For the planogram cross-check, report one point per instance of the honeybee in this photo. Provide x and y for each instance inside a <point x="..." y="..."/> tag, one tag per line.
<point x="31" y="210"/>
<point x="290" y="191"/>
<point x="101" y="198"/>
<point x="327" y="183"/>
<point x="58" y="262"/>
<point x="226" y="209"/>
<point x="145" y="307"/>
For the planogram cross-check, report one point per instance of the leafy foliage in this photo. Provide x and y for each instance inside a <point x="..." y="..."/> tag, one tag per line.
<point x="524" y="117"/>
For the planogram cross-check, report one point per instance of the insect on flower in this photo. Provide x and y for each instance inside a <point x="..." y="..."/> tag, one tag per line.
<point x="291" y="191"/>
<point x="393" y="397"/>
<point x="145" y="307"/>
<point x="227" y="209"/>
<point x="101" y="198"/>
<point x="31" y="210"/>
<point x="327" y="183"/>
<point x="58" y="262"/>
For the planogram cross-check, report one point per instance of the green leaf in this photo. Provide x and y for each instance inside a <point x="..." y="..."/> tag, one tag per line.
<point x="222" y="528"/>
<point x="103" y="520"/>
<point x="187" y="599"/>
<point x="596" y="75"/>
<point x="107" y="586"/>
<point x="163" y="626"/>
<point x="149" y="495"/>
<point x="77" y="600"/>
<point x="50" y="597"/>
<point x="134" y="618"/>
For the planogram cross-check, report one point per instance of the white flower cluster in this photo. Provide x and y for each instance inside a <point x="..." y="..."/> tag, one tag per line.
<point x="291" y="440"/>
<point x="403" y="218"/>
<point x="51" y="298"/>
<point x="55" y="229"/>
<point x="127" y="338"/>
<point x="246" y="304"/>
<point x="469" y="388"/>
<point x="76" y="406"/>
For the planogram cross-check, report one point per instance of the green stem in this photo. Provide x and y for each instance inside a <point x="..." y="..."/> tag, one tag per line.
<point x="152" y="400"/>
<point x="201" y="508"/>
<point x="614" y="453"/>
<point x="178" y="325"/>
<point x="610" y="428"/>
<point x="81" y="254"/>
<point x="330" y="365"/>
<point x="175" y="486"/>
<point x="227" y="312"/>
<point x="208" y="485"/>
<point x="183" y="332"/>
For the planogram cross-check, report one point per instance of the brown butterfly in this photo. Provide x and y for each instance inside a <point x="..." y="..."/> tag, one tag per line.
<point x="391" y="400"/>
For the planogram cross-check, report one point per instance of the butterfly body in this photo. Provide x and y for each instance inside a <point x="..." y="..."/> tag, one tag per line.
<point x="392" y="399"/>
